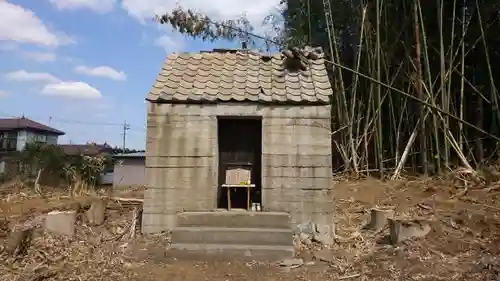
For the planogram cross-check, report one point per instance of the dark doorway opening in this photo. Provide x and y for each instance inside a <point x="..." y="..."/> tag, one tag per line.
<point x="239" y="143"/>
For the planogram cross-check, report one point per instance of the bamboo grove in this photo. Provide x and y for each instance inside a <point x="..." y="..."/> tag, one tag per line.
<point x="414" y="80"/>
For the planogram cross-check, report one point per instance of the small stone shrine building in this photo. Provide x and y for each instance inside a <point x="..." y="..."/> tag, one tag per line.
<point x="210" y="110"/>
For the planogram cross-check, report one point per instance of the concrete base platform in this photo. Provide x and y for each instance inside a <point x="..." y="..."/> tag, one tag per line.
<point x="233" y="235"/>
<point x="230" y="235"/>
<point x="226" y="252"/>
<point x="237" y="219"/>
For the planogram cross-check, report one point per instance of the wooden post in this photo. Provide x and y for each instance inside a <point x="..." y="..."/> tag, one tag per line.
<point x="248" y="198"/>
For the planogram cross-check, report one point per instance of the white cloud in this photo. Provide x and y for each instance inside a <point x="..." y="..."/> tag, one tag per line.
<point x="169" y="43"/>
<point x="41" y="56"/>
<point x="99" y="6"/>
<point x="101" y="71"/>
<point x="255" y="10"/>
<point x="22" y="25"/>
<point x="23" y="75"/>
<point x="4" y="94"/>
<point x="71" y="89"/>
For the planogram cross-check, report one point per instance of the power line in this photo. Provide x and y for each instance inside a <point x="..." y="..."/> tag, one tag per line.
<point x="91" y="123"/>
<point x="125" y="126"/>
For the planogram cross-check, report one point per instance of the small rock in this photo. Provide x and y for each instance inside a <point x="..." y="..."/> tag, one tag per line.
<point x="307" y="228"/>
<point x="293" y="263"/>
<point x="305" y="239"/>
<point x="61" y="222"/>
<point x="96" y="213"/>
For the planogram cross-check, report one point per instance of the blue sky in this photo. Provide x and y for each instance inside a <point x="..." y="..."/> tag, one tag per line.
<point x="85" y="66"/>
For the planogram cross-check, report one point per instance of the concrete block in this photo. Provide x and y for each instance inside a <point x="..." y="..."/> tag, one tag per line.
<point x="403" y="229"/>
<point x="61" y="222"/>
<point x="378" y="219"/>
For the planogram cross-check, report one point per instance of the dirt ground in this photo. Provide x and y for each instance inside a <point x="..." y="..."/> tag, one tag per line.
<point x="464" y="243"/>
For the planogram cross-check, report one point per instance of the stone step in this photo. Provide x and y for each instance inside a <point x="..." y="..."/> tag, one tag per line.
<point x="236" y="219"/>
<point x="223" y="235"/>
<point x="227" y="252"/>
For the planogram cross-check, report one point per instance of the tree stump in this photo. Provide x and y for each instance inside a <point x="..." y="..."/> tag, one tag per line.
<point x="401" y="229"/>
<point x="378" y="219"/>
<point x="18" y="242"/>
<point x="96" y="213"/>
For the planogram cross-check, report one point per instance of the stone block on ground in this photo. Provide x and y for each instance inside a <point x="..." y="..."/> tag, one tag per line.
<point x="61" y="222"/>
<point x="403" y="229"/>
<point x="320" y="233"/>
<point x="97" y="212"/>
<point x="378" y="219"/>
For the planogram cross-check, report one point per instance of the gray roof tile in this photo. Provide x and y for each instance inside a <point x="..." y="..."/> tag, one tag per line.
<point x="8" y="124"/>
<point x="239" y="76"/>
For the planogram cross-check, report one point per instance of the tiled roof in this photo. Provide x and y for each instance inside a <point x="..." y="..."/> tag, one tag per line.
<point x="85" y="149"/>
<point x="9" y="124"/>
<point x="240" y="76"/>
<point x="130" y="155"/>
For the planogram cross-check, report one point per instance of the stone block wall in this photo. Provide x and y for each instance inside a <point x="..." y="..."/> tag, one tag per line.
<point x="181" y="161"/>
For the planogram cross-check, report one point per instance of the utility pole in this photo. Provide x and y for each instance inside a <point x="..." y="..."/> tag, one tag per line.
<point x="126" y="127"/>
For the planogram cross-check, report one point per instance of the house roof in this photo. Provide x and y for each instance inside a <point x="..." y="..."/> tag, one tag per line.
<point x="22" y="123"/>
<point x="85" y="149"/>
<point x="241" y="75"/>
<point x="131" y="155"/>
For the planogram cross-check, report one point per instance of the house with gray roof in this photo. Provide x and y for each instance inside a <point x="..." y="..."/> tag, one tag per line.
<point x="15" y="133"/>
<point x="213" y="110"/>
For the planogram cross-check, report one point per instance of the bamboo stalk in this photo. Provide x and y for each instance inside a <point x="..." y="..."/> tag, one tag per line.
<point x="444" y="94"/>
<point x="378" y="102"/>
<point x="418" y="89"/>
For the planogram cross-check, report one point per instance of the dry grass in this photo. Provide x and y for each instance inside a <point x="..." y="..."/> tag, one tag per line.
<point x="461" y="245"/>
<point x="466" y="227"/>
